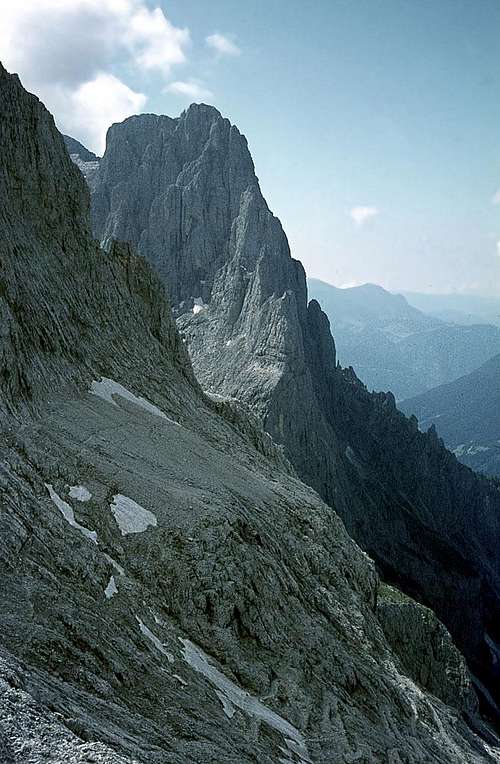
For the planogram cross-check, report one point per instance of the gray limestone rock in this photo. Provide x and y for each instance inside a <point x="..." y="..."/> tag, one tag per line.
<point x="171" y="592"/>
<point x="425" y="648"/>
<point x="185" y="193"/>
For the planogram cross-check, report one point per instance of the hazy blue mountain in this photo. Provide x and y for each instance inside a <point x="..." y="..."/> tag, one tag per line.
<point x="466" y="414"/>
<point x="394" y="346"/>
<point x="458" y="308"/>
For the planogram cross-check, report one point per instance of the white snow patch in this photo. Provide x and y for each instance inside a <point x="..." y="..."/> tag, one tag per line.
<point x="465" y="450"/>
<point x="130" y="516"/>
<point x="180" y="679"/>
<point x="227" y="706"/>
<point x="154" y="639"/>
<point x="111" y="588"/>
<point x="115" y="565"/>
<point x="108" y="388"/>
<point x="79" y="492"/>
<point x="198" y="305"/>
<point x="232" y="696"/>
<point x="68" y="514"/>
<point x="477" y="450"/>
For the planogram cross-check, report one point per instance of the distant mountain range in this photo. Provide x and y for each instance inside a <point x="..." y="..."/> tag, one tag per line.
<point x="394" y="346"/>
<point x="457" y="308"/>
<point x="466" y="414"/>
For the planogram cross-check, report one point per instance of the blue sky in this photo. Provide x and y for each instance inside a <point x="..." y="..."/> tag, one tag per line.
<point x="374" y="124"/>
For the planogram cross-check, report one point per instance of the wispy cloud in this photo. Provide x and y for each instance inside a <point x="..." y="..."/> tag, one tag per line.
<point x="496" y="197"/>
<point x="222" y="45"/>
<point x="190" y="89"/>
<point x="362" y="215"/>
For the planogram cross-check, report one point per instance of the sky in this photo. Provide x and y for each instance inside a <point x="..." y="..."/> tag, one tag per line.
<point x="374" y="124"/>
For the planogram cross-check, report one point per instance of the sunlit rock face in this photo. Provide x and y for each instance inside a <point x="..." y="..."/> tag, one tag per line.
<point x="171" y="592"/>
<point x="185" y="193"/>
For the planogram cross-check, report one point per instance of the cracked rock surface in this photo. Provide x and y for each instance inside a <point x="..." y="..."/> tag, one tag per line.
<point x="238" y="626"/>
<point x="184" y="191"/>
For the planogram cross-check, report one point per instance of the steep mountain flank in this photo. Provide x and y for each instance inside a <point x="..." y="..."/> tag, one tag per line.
<point x="466" y="414"/>
<point x="170" y="591"/>
<point x="393" y="346"/>
<point x="184" y="192"/>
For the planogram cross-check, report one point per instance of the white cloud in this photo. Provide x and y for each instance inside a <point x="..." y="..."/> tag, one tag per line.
<point x="154" y="41"/>
<point x="95" y="105"/>
<point x="68" y="53"/>
<point x="362" y="215"/>
<point x="190" y="89"/>
<point x="222" y="45"/>
<point x="496" y="197"/>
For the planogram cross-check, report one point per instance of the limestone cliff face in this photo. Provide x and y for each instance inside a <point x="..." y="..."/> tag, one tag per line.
<point x="191" y="173"/>
<point x="48" y="249"/>
<point x="184" y="191"/>
<point x="171" y="593"/>
<point x="86" y="161"/>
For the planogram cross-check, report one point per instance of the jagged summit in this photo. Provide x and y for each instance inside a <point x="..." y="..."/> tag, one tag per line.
<point x="201" y="110"/>
<point x="190" y="201"/>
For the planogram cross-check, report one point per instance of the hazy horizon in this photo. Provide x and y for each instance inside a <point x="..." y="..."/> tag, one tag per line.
<point x="373" y="127"/>
<point x="404" y="291"/>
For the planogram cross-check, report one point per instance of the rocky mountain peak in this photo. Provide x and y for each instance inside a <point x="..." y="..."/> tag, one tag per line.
<point x="194" y="172"/>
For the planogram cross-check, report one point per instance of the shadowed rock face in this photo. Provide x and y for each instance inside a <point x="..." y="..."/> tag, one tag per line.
<point x="171" y="592"/>
<point x="184" y="191"/>
<point x="466" y="413"/>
